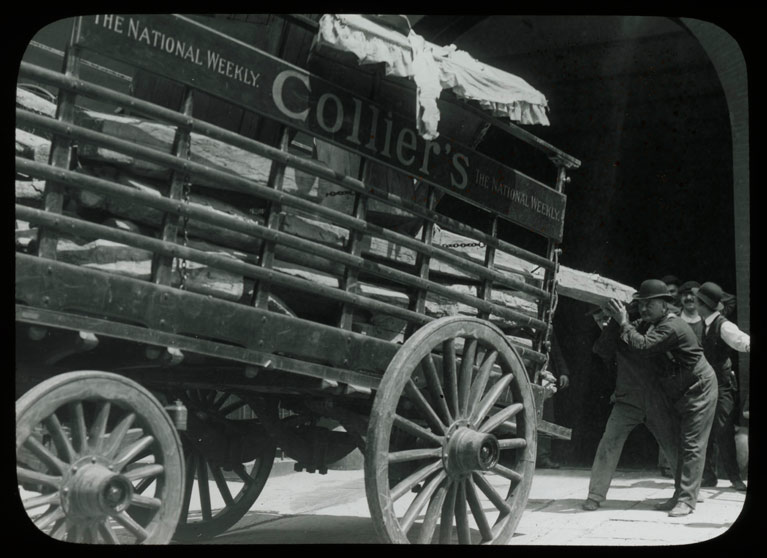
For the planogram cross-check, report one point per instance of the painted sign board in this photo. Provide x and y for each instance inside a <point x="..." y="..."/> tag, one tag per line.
<point x="186" y="51"/>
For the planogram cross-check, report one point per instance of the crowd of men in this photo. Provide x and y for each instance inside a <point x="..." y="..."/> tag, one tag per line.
<point x="671" y="350"/>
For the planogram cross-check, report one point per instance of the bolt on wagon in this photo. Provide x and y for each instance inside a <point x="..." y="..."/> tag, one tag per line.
<point x="252" y="255"/>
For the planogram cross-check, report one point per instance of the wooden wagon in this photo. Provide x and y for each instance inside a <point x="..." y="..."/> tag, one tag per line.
<point x="189" y="299"/>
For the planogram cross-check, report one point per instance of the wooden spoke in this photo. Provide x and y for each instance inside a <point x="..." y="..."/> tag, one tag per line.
<point x="500" y="417"/>
<point x="52" y="462"/>
<point x="243" y="474"/>
<point x="60" y="438"/>
<point x="435" y="389"/>
<point x="143" y="485"/>
<point x="231" y="407"/>
<point x="49" y="517"/>
<point x="477" y="511"/>
<point x="73" y="533"/>
<point x="507" y="473"/>
<point x="426" y="409"/>
<point x="420" y="501"/>
<point x="130" y="453"/>
<point x="79" y="430"/>
<point x="35" y="477"/>
<point x="408" y="483"/>
<point x="204" y="488"/>
<point x="412" y="428"/>
<point x="449" y="372"/>
<point x="432" y="514"/>
<point x="412" y="455"/>
<point x="461" y="515"/>
<point x="464" y="381"/>
<point x="480" y="383"/>
<point x="130" y="524"/>
<point x="105" y="529"/>
<point x="58" y="528"/>
<point x="219" y="401"/>
<point x="492" y="495"/>
<point x="146" y="501"/>
<point x="99" y="427"/>
<point x="446" y="518"/>
<point x="223" y="488"/>
<point x="144" y="471"/>
<point x="188" y="485"/>
<point x="88" y="537"/>
<point x="495" y="392"/>
<point x="118" y="435"/>
<point x="512" y="443"/>
<point x="44" y="500"/>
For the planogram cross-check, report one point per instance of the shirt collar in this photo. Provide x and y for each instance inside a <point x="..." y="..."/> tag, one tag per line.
<point x="690" y="320"/>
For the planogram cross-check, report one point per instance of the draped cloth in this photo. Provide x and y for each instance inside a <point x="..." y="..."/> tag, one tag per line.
<point x="433" y="68"/>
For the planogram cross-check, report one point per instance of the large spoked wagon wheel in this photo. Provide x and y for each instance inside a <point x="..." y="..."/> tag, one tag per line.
<point x="228" y="459"/>
<point x="451" y="431"/>
<point x="98" y="460"/>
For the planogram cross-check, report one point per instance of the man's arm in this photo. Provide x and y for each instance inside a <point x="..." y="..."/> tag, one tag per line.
<point x="657" y="340"/>
<point x="735" y="338"/>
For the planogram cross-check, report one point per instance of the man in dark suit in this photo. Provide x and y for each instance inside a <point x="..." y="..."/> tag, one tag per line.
<point x="720" y="338"/>
<point x="686" y="377"/>
<point x="638" y="399"/>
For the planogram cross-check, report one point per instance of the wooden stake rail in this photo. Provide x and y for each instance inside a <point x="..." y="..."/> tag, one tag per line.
<point x="134" y="105"/>
<point x="248" y="186"/>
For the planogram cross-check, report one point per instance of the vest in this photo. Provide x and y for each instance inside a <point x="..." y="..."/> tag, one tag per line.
<point x="718" y="352"/>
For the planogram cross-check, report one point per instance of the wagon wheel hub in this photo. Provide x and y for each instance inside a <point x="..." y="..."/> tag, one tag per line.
<point x="94" y="490"/>
<point x="468" y="450"/>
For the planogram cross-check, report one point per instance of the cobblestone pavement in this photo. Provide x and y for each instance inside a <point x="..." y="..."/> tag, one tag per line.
<point x="332" y="509"/>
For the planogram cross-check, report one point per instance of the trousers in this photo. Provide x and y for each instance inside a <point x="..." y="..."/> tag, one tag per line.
<point x="722" y="437"/>
<point x="695" y="407"/>
<point x="650" y="409"/>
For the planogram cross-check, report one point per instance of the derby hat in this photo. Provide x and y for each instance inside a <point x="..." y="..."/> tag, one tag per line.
<point x="653" y="288"/>
<point x="688" y="286"/>
<point x="710" y="294"/>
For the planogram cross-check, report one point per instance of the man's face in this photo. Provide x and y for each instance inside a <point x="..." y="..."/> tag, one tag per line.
<point x="688" y="301"/>
<point x="700" y="307"/>
<point x="673" y="290"/>
<point x="652" y="310"/>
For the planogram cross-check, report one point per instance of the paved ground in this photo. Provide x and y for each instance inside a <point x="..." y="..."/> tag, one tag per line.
<point x="331" y="509"/>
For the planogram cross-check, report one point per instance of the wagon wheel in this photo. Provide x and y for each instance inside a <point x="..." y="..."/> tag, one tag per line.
<point x="98" y="460"/>
<point x="467" y="438"/>
<point x="224" y="472"/>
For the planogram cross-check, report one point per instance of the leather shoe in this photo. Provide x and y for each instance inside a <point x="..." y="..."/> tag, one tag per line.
<point x="668" y="505"/>
<point x="739" y="485"/>
<point x="708" y="483"/>
<point x="590" y="505"/>
<point x="680" y="510"/>
<point x="547" y="463"/>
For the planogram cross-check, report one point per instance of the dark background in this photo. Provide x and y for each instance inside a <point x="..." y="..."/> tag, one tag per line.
<point x="638" y="101"/>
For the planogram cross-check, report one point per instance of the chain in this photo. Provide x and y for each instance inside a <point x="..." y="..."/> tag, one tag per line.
<point x="552" y="309"/>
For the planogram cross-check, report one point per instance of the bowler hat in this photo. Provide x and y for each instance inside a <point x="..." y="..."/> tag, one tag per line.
<point x="688" y="286"/>
<point x="710" y="294"/>
<point x="670" y="280"/>
<point x="653" y="288"/>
